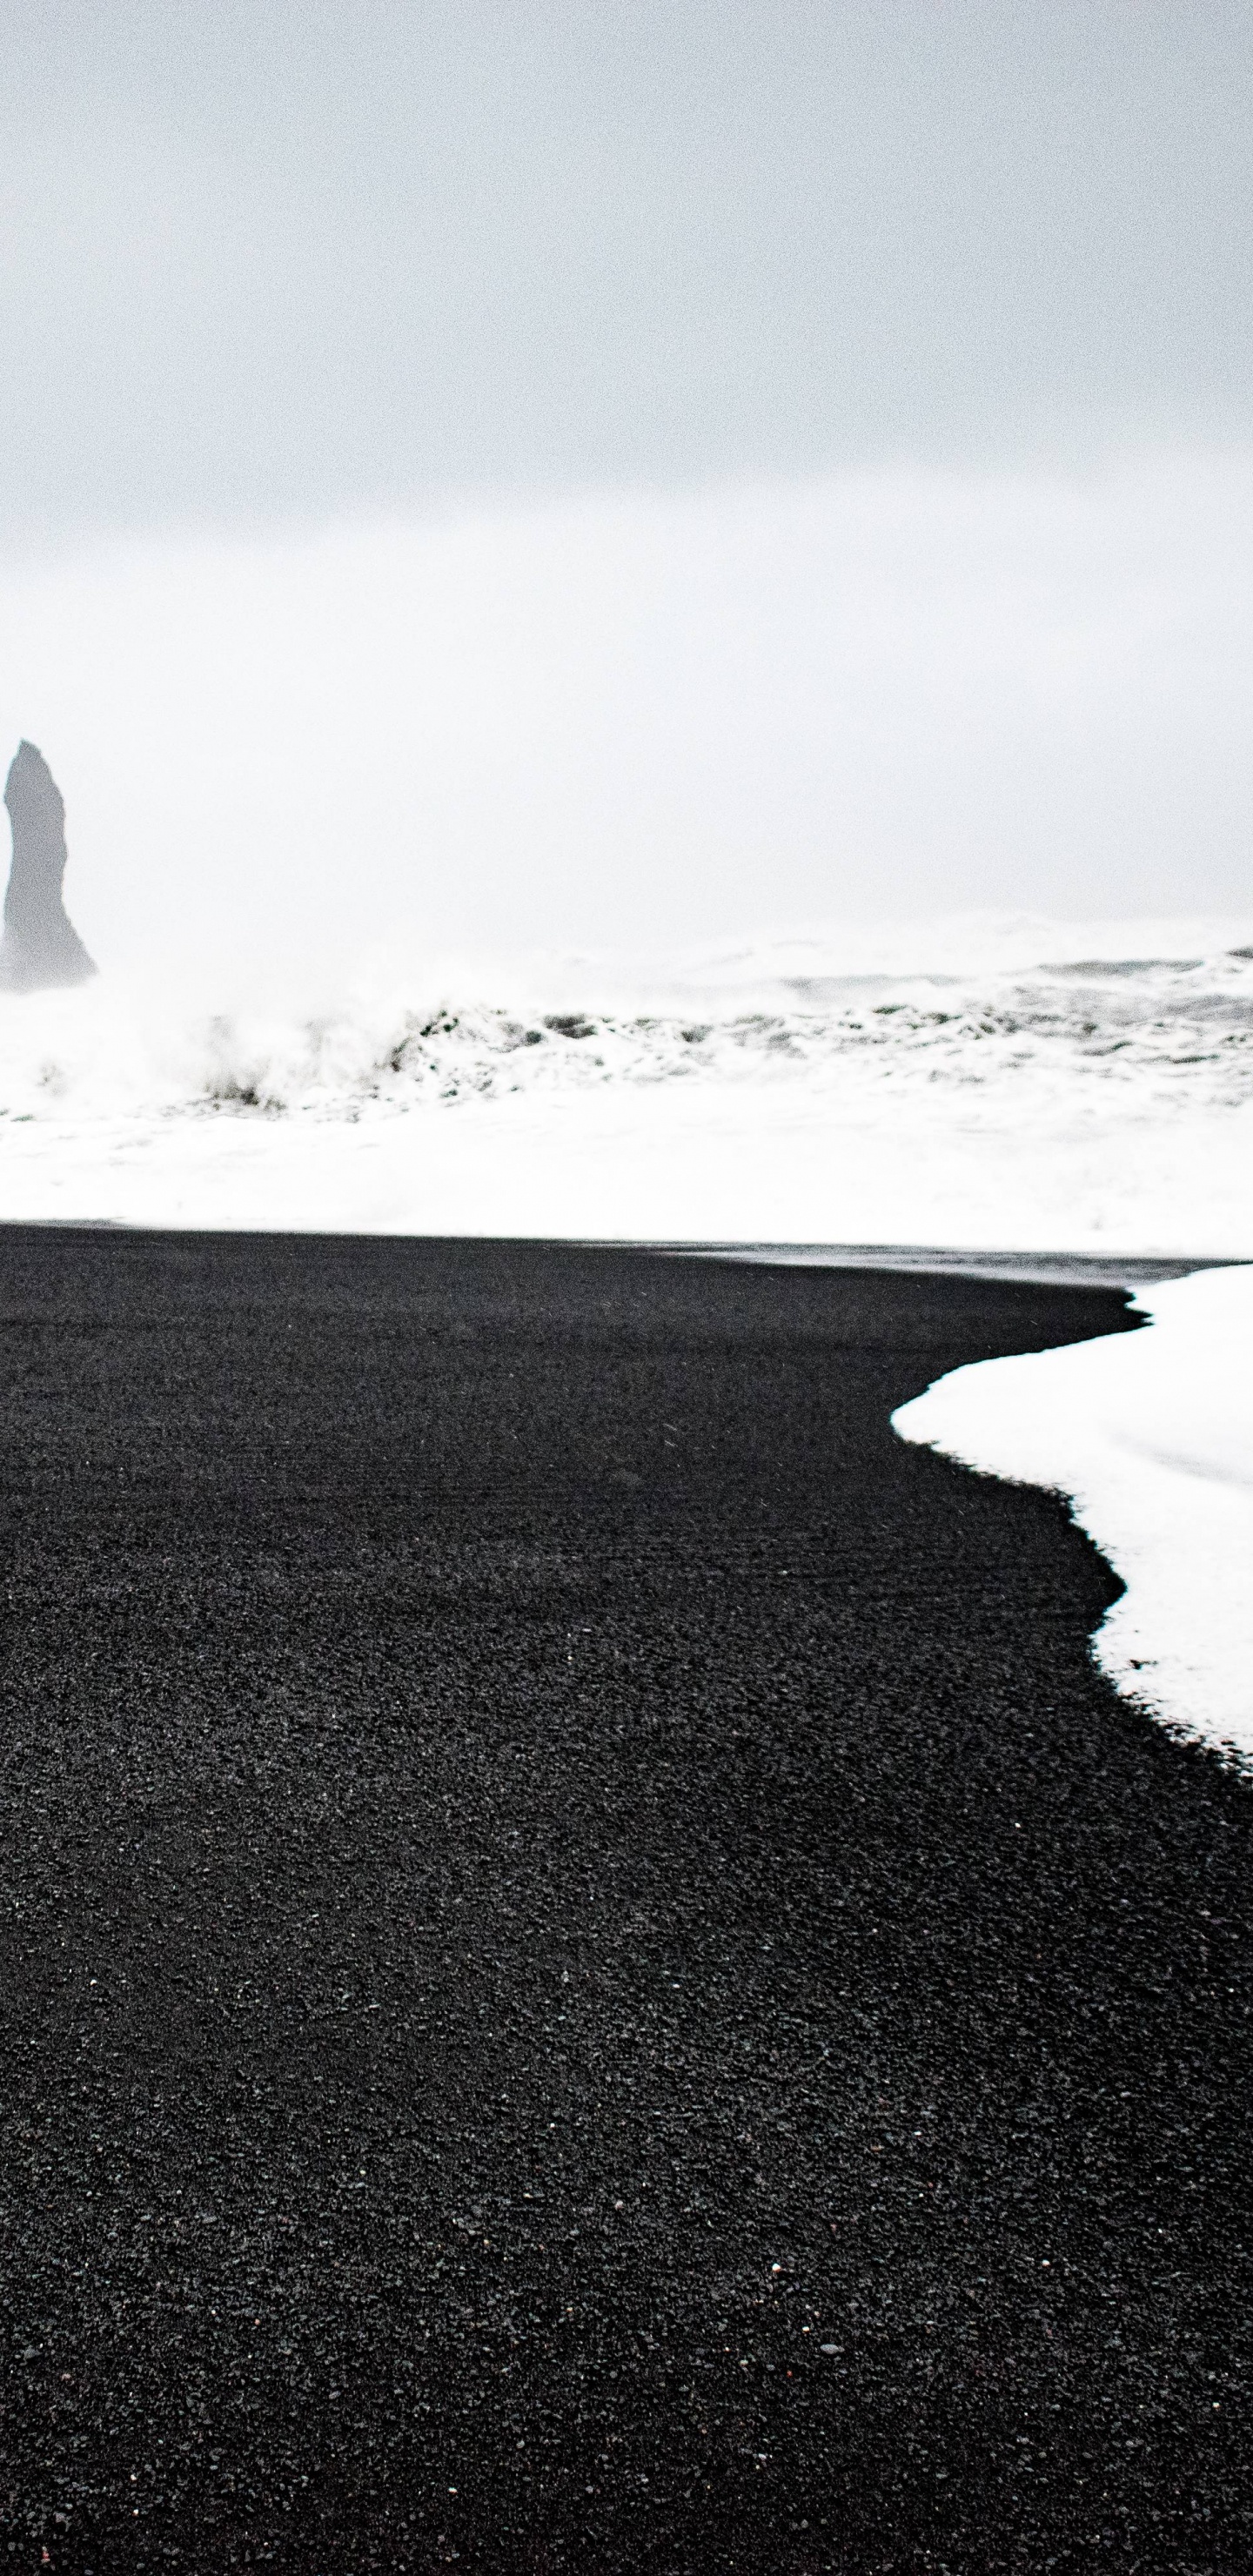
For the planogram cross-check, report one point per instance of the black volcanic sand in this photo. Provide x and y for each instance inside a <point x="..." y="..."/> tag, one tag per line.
<point x="591" y="1978"/>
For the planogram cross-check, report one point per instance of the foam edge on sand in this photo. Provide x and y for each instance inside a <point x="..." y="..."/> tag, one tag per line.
<point x="1149" y="1435"/>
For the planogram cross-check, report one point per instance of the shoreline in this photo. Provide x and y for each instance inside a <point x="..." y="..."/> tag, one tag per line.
<point x="1033" y="1268"/>
<point x="591" y="1975"/>
<point x="672" y="1163"/>
<point x="1150" y="1440"/>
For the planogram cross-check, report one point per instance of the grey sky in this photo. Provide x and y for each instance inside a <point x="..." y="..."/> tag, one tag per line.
<point x="273" y="257"/>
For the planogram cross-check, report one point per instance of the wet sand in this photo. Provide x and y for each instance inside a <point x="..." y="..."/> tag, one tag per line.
<point x="590" y="1977"/>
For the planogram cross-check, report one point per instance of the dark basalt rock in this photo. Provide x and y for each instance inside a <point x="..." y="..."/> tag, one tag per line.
<point x="40" y="945"/>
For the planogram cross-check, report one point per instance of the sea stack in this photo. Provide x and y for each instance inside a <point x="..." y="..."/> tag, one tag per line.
<point x="40" y="945"/>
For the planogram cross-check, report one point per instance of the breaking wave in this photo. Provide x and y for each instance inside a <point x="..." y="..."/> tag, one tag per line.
<point x="1000" y="1034"/>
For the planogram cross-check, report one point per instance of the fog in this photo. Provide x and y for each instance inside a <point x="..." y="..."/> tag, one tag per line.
<point x="610" y="473"/>
<point x="641" y="721"/>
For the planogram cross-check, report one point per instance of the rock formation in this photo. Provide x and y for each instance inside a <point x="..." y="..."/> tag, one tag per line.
<point x="40" y="945"/>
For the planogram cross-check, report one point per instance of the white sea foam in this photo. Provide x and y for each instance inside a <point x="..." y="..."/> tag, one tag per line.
<point x="1006" y="1085"/>
<point x="966" y="1082"/>
<point x="1150" y="1435"/>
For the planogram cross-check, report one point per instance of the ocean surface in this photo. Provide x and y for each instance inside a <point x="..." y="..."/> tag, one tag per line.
<point x="1009" y="1082"/>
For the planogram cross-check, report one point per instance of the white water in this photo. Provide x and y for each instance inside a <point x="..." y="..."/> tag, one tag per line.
<point x="1150" y="1435"/>
<point x="978" y="1083"/>
<point x="993" y="1085"/>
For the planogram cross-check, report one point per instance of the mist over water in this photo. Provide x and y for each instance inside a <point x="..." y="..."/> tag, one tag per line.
<point x="447" y="872"/>
<point x="636" y="722"/>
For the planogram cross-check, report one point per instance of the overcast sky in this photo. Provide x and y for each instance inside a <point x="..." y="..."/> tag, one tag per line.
<point x="272" y="256"/>
<point x="273" y="265"/>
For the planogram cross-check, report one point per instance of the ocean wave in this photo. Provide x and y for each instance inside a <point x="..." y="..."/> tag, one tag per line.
<point x="1147" y="1033"/>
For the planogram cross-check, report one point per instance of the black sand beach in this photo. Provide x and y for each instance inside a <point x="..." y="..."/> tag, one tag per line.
<point x="591" y="1980"/>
